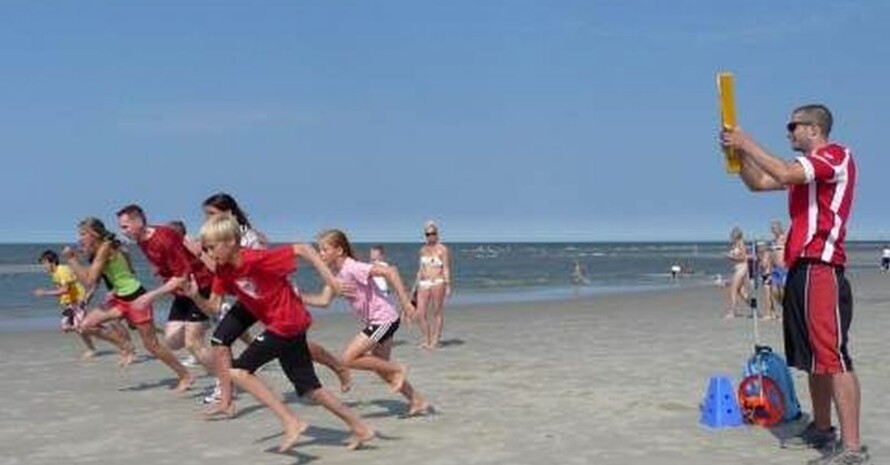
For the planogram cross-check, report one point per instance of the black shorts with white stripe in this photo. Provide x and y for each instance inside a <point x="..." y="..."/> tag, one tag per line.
<point x="380" y="333"/>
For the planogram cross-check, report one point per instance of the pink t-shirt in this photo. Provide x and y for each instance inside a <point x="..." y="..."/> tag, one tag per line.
<point x="369" y="303"/>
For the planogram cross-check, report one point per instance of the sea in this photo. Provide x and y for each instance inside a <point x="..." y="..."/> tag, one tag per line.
<point x="482" y="273"/>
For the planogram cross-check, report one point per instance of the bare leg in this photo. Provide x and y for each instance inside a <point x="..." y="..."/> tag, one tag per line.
<point x="153" y="346"/>
<point x="437" y="303"/>
<point x="361" y="433"/>
<point x="358" y="355"/>
<point x="423" y="298"/>
<point x="321" y="355"/>
<point x="222" y="357"/>
<point x="174" y="335"/>
<point x="416" y="403"/>
<point x="820" y="394"/>
<point x="845" y="390"/>
<point x="90" y="326"/>
<point x="91" y="348"/>
<point x="195" y="344"/>
<point x="291" y="424"/>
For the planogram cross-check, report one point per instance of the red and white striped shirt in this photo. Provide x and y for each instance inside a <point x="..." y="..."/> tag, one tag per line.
<point x="821" y="207"/>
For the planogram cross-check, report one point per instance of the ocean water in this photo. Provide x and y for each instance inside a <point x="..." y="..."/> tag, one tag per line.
<point x="482" y="272"/>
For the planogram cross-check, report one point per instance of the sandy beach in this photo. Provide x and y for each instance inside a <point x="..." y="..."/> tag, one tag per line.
<point x="609" y="380"/>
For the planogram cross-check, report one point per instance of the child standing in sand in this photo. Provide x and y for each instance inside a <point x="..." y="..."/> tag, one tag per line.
<point x="371" y="348"/>
<point x="260" y="281"/>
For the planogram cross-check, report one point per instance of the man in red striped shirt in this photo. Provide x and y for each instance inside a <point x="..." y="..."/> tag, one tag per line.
<point x="818" y="304"/>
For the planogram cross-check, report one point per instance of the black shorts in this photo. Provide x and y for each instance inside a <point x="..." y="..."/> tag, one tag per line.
<point x="185" y="309"/>
<point x="380" y="333"/>
<point x="234" y="323"/>
<point x="818" y="310"/>
<point x="885" y="263"/>
<point x="292" y="354"/>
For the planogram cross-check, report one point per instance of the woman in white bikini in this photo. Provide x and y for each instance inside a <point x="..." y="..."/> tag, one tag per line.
<point x="737" y="286"/>
<point x="433" y="284"/>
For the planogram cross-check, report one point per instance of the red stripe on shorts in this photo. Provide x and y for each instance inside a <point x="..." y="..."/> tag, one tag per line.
<point x="823" y="320"/>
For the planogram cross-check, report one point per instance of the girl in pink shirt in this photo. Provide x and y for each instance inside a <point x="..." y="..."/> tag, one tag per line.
<point x="371" y="348"/>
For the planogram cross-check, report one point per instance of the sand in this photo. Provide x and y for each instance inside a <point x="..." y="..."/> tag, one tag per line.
<point x="608" y="380"/>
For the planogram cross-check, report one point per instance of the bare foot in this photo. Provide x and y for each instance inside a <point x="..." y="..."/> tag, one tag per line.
<point x="126" y="358"/>
<point x="88" y="354"/>
<point x="420" y="407"/>
<point x="291" y="436"/>
<point x="345" y="377"/>
<point x="728" y="316"/>
<point x="397" y="382"/>
<point x="359" y="438"/>
<point x="217" y="410"/>
<point x="185" y="383"/>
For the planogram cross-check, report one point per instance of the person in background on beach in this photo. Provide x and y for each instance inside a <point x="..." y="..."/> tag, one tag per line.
<point x="164" y="248"/>
<point x="765" y="267"/>
<point x="433" y="284"/>
<point x="71" y="295"/>
<point x="779" y="272"/>
<point x="235" y="319"/>
<point x="818" y="306"/>
<point x="178" y="340"/>
<point x="112" y="264"/>
<point x="885" y="258"/>
<point x="371" y="348"/>
<point x="260" y="279"/>
<point x="738" y="284"/>
<point x="377" y="256"/>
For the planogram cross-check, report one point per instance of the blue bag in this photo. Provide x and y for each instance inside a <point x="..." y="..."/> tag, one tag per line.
<point x="767" y="363"/>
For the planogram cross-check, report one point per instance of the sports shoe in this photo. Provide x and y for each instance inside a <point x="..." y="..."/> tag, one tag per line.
<point x="214" y="396"/>
<point x="842" y="456"/>
<point x="811" y="438"/>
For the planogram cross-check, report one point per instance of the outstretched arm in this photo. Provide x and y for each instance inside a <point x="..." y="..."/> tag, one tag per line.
<point x="308" y="253"/>
<point x="762" y="170"/>
<point x="210" y="305"/>
<point x="321" y="300"/>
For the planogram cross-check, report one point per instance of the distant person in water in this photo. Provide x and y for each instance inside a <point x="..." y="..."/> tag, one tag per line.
<point x="885" y="258"/>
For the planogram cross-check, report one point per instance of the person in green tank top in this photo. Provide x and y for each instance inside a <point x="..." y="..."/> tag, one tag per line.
<point x="111" y="263"/>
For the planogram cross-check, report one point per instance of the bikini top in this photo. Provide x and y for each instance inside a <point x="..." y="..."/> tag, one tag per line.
<point x="431" y="260"/>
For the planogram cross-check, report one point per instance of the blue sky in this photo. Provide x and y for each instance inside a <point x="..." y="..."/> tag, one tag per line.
<point x="519" y="120"/>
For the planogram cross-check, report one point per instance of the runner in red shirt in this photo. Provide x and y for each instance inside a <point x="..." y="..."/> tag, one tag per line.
<point x="818" y="304"/>
<point x="260" y="280"/>
<point x="163" y="247"/>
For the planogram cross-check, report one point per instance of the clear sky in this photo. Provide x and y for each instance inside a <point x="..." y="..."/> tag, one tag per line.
<point x="502" y="120"/>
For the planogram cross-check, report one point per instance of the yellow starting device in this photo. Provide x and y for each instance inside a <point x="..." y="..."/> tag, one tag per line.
<point x="727" y="118"/>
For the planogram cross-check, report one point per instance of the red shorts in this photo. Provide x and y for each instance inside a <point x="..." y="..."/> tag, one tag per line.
<point x="135" y="316"/>
<point x="818" y="311"/>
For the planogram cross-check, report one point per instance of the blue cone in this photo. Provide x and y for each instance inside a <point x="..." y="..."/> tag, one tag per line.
<point x="720" y="408"/>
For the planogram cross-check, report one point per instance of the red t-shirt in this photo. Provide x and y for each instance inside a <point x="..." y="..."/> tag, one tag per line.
<point x="166" y="252"/>
<point x="821" y="207"/>
<point x="261" y="283"/>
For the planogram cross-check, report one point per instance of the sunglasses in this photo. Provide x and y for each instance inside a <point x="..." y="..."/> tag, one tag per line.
<point x="430" y="233"/>
<point x="792" y="126"/>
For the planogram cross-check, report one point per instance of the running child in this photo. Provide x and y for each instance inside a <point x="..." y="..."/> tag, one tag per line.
<point x="164" y="249"/>
<point x="371" y="348"/>
<point x="112" y="264"/>
<point x="72" y="298"/>
<point x="260" y="280"/>
<point x="236" y="327"/>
